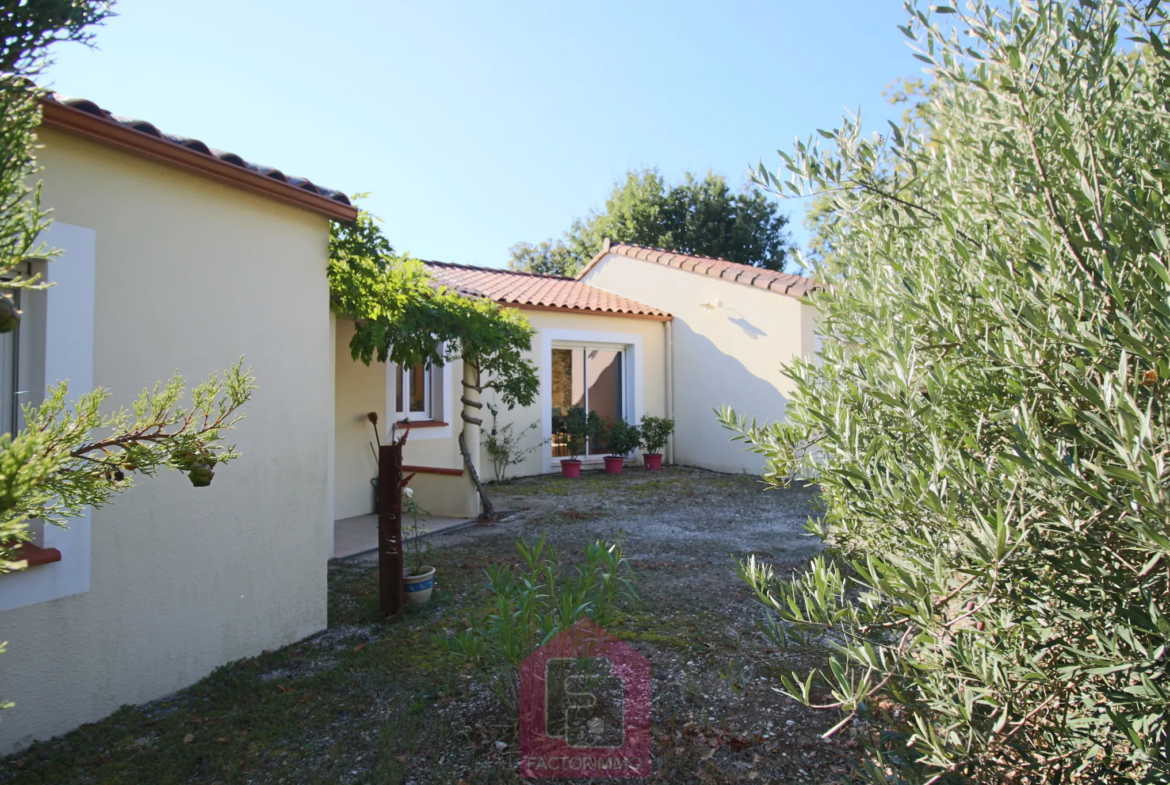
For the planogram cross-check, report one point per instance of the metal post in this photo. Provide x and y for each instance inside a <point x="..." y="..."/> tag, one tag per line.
<point x="390" y="591"/>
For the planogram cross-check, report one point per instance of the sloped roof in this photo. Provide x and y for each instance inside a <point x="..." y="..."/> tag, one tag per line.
<point x="84" y="117"/>
<point x="756" y="277"/>
<point x="543" y="292"/>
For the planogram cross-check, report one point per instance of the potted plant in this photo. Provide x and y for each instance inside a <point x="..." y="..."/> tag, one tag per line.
<point x="655" y="432"/>
<point x="418" y="577"/>
<point x="621" y="439"/>
<point x="577" y="427"/>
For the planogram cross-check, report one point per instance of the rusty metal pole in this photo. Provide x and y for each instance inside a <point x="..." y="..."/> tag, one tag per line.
<point x="390" y="591"/>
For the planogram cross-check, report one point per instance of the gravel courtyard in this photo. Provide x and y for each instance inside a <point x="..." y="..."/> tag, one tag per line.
<point x="365" y="702"/>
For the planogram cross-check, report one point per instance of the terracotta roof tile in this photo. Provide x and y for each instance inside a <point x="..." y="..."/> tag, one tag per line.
<point x="757" y="277"/>
<point x="536" y="291"/>
<point x="195" y="145"/>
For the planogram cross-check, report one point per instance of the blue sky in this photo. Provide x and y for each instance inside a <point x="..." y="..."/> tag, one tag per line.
<point x="477" y="125"/>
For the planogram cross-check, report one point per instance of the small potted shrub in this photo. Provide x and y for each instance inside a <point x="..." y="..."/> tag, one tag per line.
<point x="418" y="577"/>
<point x="621" y="439"/>
<point x="655" y="432"/>
<point x="577" y="428"/>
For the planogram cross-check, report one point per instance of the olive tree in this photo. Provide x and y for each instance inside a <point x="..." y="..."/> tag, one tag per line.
<point x="989" y="419"/>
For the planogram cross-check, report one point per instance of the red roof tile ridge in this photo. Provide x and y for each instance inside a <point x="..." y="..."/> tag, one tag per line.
<point x="732" y="272"/>
<point x="532" y="290"/>
<point x="499" y="270"/>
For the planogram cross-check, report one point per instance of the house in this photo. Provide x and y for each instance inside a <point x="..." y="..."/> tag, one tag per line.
<point x="733" y="327"/>
<point x="592" y="348"/>
<point x="174" y="256"/>
<point x="639" y="332"/>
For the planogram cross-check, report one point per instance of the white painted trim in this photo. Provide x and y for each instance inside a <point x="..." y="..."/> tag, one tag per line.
<point x="69" y="327"/>
<point x="630" y="342"/>
<point x="444" y="415"/>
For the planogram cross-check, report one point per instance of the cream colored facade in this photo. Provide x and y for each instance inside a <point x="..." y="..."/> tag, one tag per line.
<point x="361" y="389"/>
<point x="727" y="353"/>
<point x="170" y="581"/>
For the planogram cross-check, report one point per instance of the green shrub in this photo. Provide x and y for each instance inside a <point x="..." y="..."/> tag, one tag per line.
<point x="656" y="432"/>
<point x="989" y="421"/>
<point x="578" y="427"/>
<point x="503" y="444"/>
<point x="621" y="438"/>
<point x="536" y="602"/>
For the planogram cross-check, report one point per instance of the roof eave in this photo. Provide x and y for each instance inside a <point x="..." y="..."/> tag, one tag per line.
<point x="562" y="309"/>
<point x="98" y="129"/>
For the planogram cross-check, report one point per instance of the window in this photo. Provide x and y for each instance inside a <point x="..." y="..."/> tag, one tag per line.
<point x="414" y="393"/>
<point x="21" y="362"/>
<point x="55" y="341"/>
<point x="589" y="378"/>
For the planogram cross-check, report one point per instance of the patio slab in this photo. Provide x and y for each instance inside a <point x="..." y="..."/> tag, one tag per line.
<point x="358" y="535"/>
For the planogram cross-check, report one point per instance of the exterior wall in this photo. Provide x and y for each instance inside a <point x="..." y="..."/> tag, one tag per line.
<point x="729" y="355"/>
<point x="362" y="389"/>
<point x="190" y="274"/>
<point x="551" y="327"/>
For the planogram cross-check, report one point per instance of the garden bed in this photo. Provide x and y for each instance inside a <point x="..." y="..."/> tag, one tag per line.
<point x="365" y="702"/>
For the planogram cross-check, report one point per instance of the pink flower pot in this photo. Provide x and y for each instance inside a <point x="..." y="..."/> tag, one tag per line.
<point x="570" y="469"/>
<point x="614" y="465"/>
<point x="653" y="461"/>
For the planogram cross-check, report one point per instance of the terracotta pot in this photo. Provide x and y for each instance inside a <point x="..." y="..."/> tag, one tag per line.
<point x="613" y="465"/>
<point x="418" y="588"/>
<point x="570" y="469"/>
<point x="653" y="461"/>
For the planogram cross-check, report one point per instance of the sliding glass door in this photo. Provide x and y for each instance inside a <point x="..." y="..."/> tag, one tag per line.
<point x="589" y="378"/>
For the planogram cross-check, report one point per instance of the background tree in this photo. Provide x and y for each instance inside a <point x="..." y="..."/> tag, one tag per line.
<point x="990" y="419"/>
<point x="698" y="216"/>
<point x="402" y="316"/>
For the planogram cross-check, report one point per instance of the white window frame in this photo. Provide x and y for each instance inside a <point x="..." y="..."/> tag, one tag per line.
<point x="439" y="400"/>
<point x="428" y="393"/>
<point x="630" y="345"/>
<point x="67" y="317"/>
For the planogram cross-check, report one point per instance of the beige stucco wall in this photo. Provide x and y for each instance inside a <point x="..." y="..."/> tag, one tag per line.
<point x="729" y="355"/>
<point x="190" y="275"/>
<point x="599" y="328"/>
<point x="361" y="389"/>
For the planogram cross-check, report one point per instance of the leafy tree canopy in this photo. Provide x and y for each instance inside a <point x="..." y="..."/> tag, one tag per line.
<point x="698" y="216"/>
<point x="403" y="316"/>
<point x="989" y="421"/>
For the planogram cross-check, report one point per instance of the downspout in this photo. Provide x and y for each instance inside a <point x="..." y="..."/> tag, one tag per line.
<point x="669" y="335"/>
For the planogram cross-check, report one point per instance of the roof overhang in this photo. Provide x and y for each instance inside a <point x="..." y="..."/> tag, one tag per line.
<point x="107" y="132"/>
<point x="586" y="312"/>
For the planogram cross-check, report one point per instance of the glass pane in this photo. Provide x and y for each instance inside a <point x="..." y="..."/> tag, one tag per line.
<point x="604" y="371"/>
<point x="418" y="388"/>
<point x="568" y="391"/>
<point x="398" y="390"/>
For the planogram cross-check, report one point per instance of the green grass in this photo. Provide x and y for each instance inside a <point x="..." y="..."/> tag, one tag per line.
<point x="361" y="703"/>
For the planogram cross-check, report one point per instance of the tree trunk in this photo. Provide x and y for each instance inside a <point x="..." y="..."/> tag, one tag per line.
<point x="469" y="436"/>
<point x="391" y="598"/>
<point x="489" y="510"/>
